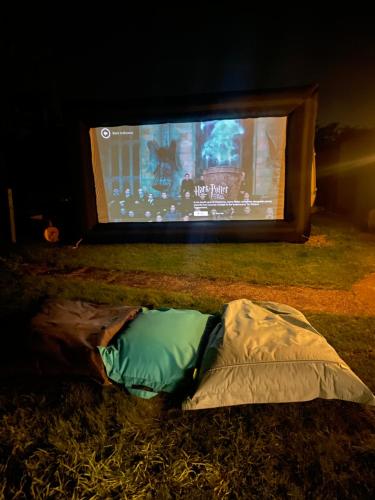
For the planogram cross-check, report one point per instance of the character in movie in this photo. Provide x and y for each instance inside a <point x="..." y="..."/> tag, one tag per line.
<point x="163" y="203"/>
<point x="114" y="205"/>
<point x="128" y="198"/>
<point x="187" y="204"/>
<point x="243" y="213"/>
<point x="230" y="213"/>
<point x="140" y="201"/>
<point x="148" y="216"/>
<point x="172" y="214"/>
<point x="150" y="202"/>
<point x="159" y="217"/>
<point x="187" y="185"/>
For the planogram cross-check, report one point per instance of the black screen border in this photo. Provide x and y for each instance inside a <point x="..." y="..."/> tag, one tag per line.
<point x="298" y="104"/>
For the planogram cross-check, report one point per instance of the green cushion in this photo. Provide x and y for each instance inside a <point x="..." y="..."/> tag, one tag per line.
<point x="155" y="351"/>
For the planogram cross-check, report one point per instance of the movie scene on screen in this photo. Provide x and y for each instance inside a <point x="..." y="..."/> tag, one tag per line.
<point x="227" y="169"/>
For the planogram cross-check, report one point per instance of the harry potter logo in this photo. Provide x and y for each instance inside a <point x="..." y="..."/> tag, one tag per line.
<point x="213" y="190"/>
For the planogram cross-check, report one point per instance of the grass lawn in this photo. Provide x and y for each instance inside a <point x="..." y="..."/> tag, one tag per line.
<point x="69" y="438"/>
<point x="336" y="256"/>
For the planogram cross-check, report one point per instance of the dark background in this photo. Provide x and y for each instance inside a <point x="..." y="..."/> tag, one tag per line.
<point x="53" y="58"/>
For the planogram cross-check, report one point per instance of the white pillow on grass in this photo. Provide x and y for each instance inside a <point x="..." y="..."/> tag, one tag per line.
<point x="269" y="353"/>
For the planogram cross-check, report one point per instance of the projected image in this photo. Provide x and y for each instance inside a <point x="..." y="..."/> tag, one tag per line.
<point x="230" y="169"/>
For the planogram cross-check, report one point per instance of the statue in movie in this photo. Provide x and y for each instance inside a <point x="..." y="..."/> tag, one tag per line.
<point x="221" y="157"/>
<point x="164" y="159"/>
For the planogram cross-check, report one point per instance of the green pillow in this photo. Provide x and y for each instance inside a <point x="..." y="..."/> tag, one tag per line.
<point x="156" y="351"/>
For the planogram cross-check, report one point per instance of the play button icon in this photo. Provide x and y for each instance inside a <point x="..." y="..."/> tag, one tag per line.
<point x="105" y="133"/>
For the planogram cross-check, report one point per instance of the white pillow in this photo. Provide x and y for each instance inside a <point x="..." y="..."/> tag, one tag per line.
<point x="269" y="353"/>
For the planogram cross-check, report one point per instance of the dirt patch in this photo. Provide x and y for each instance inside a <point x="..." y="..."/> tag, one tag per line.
<point x="360" y="300"/>
<point x="319" y="240"/>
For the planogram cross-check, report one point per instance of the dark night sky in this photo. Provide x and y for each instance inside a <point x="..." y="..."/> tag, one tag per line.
<point x="183" y="51"/>
<point x="52" y="57"/>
